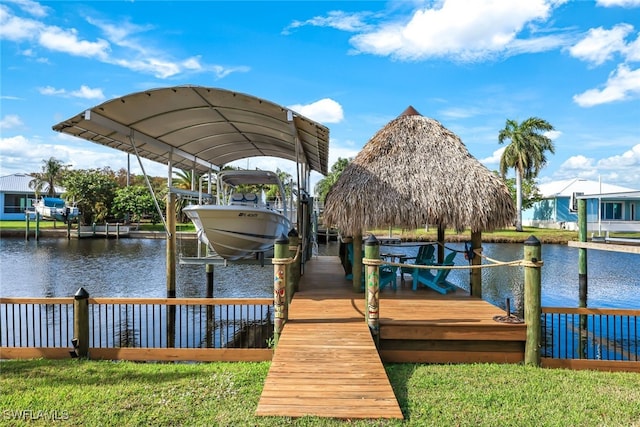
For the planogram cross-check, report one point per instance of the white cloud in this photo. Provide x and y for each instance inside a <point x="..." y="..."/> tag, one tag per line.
<point x="49" y="90"/>
<point x="618" y="3"/>
<point x="67" y="41"/>
<point x="16" y="29"/>
<point x="623" y="169"/>
<point x="623" y="84"/>
<point x="494" y="159"/>
<point x="10" y="121"/>
<point x="578" y="162"/>
<point x="324" y="111"/>
<point x="629" y="159"/>
<point x="553" y="134"/>
<point x="632" y="50"/>
<point x="460" y="30"/>
<point x="120" y="46"/>
<point x="85" y="92"/>
<point x="600" y="45"/>
<point x="21" y="154"/>
<point x="340" y="152"/>
<point x="339" y="20"/>
<point x="31" y="7"/>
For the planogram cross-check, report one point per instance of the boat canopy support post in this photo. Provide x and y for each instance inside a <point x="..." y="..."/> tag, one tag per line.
<point x="171" y="234"/>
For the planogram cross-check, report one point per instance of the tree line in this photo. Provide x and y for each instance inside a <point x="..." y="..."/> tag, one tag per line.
<point x="105" y="195"/>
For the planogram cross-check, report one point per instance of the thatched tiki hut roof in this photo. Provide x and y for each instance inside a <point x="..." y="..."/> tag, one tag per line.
<point x="414" y="172"/>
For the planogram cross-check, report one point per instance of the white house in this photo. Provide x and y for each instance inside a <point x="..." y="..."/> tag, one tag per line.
<point x="609" y="207"/>
<point x="16" y="196"/>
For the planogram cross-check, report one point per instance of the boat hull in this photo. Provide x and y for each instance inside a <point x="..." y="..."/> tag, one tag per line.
<point x="237" y="232"/>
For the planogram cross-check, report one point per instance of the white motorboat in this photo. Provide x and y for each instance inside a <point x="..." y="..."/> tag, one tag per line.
<point x="56" y="209"/>
<point x="241" y="225"/>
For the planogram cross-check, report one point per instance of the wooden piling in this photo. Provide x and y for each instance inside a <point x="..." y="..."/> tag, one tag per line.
<point x="280" y="260"/>
<point x="293" y="269"/>
<point x="357" y="263"/>
<point x="583" y="281"/>
<point x="532" y="300"/>
<point x="476" y="273"/>
<point x="81" y="323"/>
<point x="209" y="269"/>
<point x="372" y="262"/>
<point x="37" y="226"/>
<point x="582" y="254"/>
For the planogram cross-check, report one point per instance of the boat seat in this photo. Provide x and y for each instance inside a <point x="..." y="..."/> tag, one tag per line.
<point x="237" y="198"/>
<point x="251" y="198"/>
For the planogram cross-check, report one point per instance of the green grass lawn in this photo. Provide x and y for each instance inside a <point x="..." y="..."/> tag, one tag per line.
<point x="96" y="393"/>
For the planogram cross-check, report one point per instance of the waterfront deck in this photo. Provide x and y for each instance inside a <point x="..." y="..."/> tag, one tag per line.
<point x="326" y="363"/>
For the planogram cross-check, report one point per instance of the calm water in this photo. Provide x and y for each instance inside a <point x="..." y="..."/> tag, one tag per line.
<point x="136" y="268"/>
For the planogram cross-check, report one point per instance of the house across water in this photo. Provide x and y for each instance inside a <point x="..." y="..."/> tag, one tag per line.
<point x="16" y="196"/>
<point x="609" y="207"/>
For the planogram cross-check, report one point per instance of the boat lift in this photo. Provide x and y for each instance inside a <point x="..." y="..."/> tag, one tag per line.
<point x="201" y="129"/>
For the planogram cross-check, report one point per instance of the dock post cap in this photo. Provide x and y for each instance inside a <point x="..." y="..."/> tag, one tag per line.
<point x="532" y="241"/>
<point x="371" y="241"/>
<point x="282" y="240"/>
<point x="81" y="294"/>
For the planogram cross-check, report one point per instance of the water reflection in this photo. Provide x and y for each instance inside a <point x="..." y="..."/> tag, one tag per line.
<point x="137" y="268"/>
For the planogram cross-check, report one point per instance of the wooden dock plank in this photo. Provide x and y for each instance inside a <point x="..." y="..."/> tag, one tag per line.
<point x="326" y="363"/>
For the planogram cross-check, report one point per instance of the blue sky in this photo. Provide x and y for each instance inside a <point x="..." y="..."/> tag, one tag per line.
<point x="353" y="66"/>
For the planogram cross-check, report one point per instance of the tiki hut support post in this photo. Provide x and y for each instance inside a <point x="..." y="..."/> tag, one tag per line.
<point x="357" y="263"/>
<point x="532" y="300"/>
<point x="372" y="262"/>
<point x="440" y="244"/>
<point x="476" y="273"/>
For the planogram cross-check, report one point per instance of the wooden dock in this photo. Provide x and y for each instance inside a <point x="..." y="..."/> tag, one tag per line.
<point x="326" y="363"/>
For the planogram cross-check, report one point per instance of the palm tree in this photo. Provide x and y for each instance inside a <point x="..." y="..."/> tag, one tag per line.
<point x="52" y="173"/>
<point x="525" y="153"/>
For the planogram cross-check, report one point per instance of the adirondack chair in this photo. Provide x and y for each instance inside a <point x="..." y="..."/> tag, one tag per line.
<point x="423" y="257"/>
<point x="438" y="281"/>
<point x="387" y="274"/>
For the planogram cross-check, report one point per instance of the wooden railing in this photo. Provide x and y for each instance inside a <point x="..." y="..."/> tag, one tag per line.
<point x="591" y="338"/>
<point x="139" y="328"/>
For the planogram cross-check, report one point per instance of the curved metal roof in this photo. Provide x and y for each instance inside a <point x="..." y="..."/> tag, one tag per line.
<point x="201" y="128"/>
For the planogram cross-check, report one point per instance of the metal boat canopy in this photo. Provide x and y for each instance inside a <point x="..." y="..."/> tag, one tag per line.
<point x="200" y="128"/>
<point x="238" y="177"/>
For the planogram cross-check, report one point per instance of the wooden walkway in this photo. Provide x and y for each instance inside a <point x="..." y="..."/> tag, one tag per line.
<point x="326" y="363"/>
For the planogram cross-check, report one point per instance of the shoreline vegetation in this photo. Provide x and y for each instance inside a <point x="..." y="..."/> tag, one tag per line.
<point x="545" y="235"/>
<point x="84" y="392"/>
